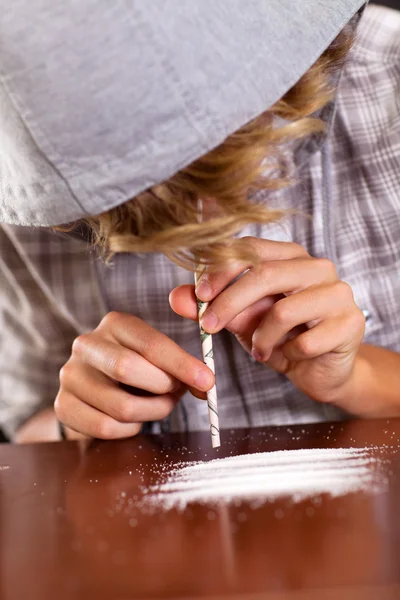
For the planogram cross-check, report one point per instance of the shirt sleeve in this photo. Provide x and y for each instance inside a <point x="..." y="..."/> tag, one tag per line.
<point x="35" y="337"/>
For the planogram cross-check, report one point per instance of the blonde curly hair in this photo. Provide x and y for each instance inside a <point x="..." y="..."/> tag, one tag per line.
<point x="164" y="218"/>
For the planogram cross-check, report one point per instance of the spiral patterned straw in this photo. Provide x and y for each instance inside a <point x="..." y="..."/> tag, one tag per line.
<point x="208" y="358"/>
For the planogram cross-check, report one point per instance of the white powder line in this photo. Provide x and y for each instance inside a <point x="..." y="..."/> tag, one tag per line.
<point x="224" y="471"/>
<point x="279" y="479"/>
<point x="280" y="457"/>
<point x="297" y="474"/>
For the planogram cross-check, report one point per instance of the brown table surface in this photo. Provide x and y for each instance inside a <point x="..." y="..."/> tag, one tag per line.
<point x="69" y="527"/>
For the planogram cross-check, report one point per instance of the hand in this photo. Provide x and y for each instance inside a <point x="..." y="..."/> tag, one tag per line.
<point x="124" y="349"/>
<point x="290" y="311"/>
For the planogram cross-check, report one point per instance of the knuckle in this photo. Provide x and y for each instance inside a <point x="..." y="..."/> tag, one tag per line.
<point x="305" y="345"/>
<point x="104" y="429"/>
<point x="125" y="412"/>
<point x="345" y="290"/>
<point x="111" y="319"/>
<point x="120" y="367"/>
<point x="61" y="406"/>
<point x="297" y="250"/>
<point x="262" y="274"/>
<point x="66" y="372"/>
<point x="280" y="313"/>
<point x="359" y="321"/>
<point x="253" y="249"/>
<point x="326" y="266"/>
<point x="80" y="343"/>
<point x="249" y="240"/>
<point x="150" y="347"/>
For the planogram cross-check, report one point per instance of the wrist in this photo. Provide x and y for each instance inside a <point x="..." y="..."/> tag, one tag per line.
<point x="368" y="393"/>
<point x="350" y="395"/>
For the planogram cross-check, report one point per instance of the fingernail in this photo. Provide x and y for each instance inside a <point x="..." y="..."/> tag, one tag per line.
<point x="203" y="290"/>
<point x="203" y="380"/>
<point x="209" y="322"/>
<point x="256" y="355"/>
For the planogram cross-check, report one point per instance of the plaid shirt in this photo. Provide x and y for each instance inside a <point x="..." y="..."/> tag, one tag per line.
<point x="52" y="289"/>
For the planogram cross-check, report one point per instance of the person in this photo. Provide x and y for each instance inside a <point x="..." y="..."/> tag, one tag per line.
<point x="283" y="119"/>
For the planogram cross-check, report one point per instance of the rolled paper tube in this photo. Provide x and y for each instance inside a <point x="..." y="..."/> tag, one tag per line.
<point x="208" y="358"/>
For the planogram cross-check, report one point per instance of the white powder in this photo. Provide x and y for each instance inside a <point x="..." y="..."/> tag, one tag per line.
<point x="260" y="477"/>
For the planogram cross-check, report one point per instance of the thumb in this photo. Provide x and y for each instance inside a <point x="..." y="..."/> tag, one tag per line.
<point x="183" y="301"/>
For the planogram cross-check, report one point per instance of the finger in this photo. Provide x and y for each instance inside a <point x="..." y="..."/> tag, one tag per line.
<point x="267" y="279"/>
<point x="122" y="364"/>
<point x="183" y="301"/>
<point x="159" y="350"/>
<point x="96" y="389"/>
<point x="308" y="307"/>
<point x="338" y="336"/>
<point x="244" y="325"/>
<point x="250" y="318"/>
<point x="87" y="420"/>
<point x="211" y="284"/>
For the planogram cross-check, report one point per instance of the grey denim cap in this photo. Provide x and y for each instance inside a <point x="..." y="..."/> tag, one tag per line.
<point x="100" y="100"/>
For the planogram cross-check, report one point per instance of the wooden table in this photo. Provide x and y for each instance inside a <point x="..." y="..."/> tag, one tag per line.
<point x="69" y="528"/>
